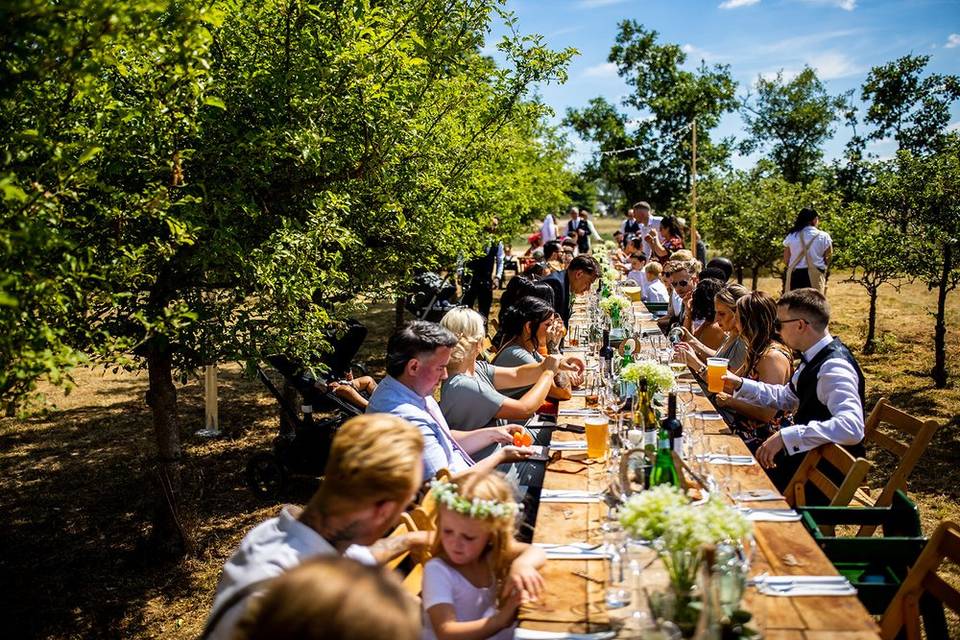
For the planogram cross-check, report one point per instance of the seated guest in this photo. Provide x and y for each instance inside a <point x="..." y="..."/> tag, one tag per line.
<point x="569" y="250"/>
<point x="537" y="271"/>
<point x="331" y="597"/>
<point x="700" y="316"/>
<point x="372" y="474"/>
<point x="733" y="348"/>
<point x="575" y="279"/>
<point x="825" y="394"/>
<point x="654" y="289"/>
<point x="517" y="289"/>
<point x="470" y="397"/>
<point x="638" y="262"/>
<point x="417" y="357"/>
<point x="768" y="361"/>
<point x="723" y="264"/>
<point x="712" y="273"/>
<point x="529" y="327"/>
<point x="683" y="280"/>
<point x="551" y="255"/>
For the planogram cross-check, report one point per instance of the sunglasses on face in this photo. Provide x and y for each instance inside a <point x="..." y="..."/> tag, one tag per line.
<point x="682" y="283"/>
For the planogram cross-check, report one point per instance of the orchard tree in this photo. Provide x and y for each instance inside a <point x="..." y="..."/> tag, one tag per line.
<point x="791" y="120"/>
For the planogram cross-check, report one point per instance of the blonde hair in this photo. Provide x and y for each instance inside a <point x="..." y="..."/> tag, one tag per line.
<point x="683" y="255"/>
<point x="468" y="326"/>
<point x="653" y="268"/>
<point x="691" y="266"/>
<point x="374" y="457"/>
<point x="332" y="597"/>
<point x="500" y="546"/>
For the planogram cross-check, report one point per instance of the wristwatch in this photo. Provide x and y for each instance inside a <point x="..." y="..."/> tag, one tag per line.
<point x="702" y="370"/>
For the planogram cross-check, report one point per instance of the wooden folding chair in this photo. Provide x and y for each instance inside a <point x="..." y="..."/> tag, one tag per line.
<point x="922" y="587"/>
<point x="853" y="470"/>
<point x="922" y="432"/>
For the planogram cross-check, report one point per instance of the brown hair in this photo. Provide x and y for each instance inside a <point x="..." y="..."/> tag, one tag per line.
<point x="757" y="312"/>
<point x="332" y="597"/>
<point x="500" y="547"/>
<point x="809" y="304"/>
<point x="374" y="457"/>
<point x="730" y="294"/>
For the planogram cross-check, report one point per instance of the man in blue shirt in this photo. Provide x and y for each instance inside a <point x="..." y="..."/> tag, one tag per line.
<point x="417" y="357"/>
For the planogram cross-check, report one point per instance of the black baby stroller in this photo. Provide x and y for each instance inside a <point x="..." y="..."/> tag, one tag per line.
<point x="303" y="443"/>
<point x="432" y="296"/>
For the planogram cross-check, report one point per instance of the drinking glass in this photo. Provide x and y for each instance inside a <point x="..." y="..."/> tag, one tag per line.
<point x="716" y="367"/>
<point x="597" y="428"/>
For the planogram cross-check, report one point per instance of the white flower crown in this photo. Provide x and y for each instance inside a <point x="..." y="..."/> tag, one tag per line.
<point x="448" y="495"/>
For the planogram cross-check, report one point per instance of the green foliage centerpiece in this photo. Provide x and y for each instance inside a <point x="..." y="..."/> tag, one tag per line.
<point x="614" y="306"/>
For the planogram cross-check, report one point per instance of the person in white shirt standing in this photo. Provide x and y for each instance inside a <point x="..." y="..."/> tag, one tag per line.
<point x="826" y="393"/>
<point x="548" y="230"/>
<point x="806" y="252"/>
<point x="643" y="214"/>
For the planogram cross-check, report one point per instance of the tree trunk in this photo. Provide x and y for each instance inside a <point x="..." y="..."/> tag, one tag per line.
<point x="754" y="277"/>
<point x="870" y="345"/>
<point x="940" y="332"/>
<point x="739" y="274"/>
<point x="168" y="531"/>
<point x="398" y="311"/>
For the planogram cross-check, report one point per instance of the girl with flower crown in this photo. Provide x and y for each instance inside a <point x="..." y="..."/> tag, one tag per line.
<point x="479" y="574"/>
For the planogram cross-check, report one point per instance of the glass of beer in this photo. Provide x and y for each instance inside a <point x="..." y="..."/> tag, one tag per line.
<point x="716" y="367"/>
<point x="597" y="435"/>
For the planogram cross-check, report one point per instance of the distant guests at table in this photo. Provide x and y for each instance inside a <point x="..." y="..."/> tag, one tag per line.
<point x="654" y="289"/>
<point x="373" y="472"/>
<point x="575" y="279"/>
<point x="826" y="392"/>
<point x="768" y="361"/>
<point x="669" y="240"/>
<point x="700" y="315"/>
<point x="643" y="214"/>
<point x="806" y="252"/>
<point x="480" y="574"/>
<point x="734" y="349"/>
<point x="486" y="270"/>
<point x="331" y="597"/>
<point x="417" y="358"/>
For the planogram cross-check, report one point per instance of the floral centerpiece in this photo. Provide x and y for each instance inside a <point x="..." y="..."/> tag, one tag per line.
<point x="678" y="530"/>
<point x="614" y="306"/>
<point x="659" y="377"/>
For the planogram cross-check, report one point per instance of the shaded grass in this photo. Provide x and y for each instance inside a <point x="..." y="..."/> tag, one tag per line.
<point x="77" y="482"/>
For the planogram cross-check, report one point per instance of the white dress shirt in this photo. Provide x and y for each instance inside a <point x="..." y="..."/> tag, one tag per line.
<point x="652" y="223"/>
<point x="837" y="389"/>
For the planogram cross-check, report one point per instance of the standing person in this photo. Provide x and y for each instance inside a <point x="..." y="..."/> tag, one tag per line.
<point x="487" y="270"/>
<point x="548" y="230"/>
<point x="806" y="252"/>
<point x="643" y="214"/>
<point x="575" y="279"/>
<point x="573" y="224"/>
<point x="591" y="232"/>
<point x="825" y="394"/>
<point x="480" y="574"/>
<point x="417" y="357"/>
<point x="372" y="474"/>
<point x="629" y="228"/>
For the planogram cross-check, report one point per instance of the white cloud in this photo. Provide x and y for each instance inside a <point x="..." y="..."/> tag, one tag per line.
<point x="846" y="5"/>
<point x="605" y="70"/>
<point x="786" y="75"/>
<point x="596" y="4"/>
<point x="736" y="4"/>
<point x="698" y="54"/>
<point x="953" y="40"/>
<point x="954" y="127"/>
<point x="832" y="65"/>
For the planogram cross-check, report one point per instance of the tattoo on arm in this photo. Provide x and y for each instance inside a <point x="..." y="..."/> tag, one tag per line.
<point x="386" y="549"/>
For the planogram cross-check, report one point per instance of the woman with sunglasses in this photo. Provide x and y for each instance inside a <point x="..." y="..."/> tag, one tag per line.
<point x="768" y="360"/>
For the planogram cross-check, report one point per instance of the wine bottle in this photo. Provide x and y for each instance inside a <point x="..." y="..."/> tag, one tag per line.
<point x="606" y="354"/>
<point x="673" y="425"/>
<point x="664" y="471"/>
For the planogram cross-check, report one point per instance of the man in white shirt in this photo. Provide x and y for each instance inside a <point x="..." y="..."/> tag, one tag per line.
<point x="826" y="393"/>
<point x="644" y="216"/>
<point x="548" y="230"/>
<point x="372" y="474"/>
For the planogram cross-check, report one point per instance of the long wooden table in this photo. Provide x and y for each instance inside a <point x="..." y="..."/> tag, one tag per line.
<point x="575" y="603"/>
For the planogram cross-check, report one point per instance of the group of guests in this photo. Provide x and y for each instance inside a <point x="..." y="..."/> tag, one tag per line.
<point x="314" y="572"/>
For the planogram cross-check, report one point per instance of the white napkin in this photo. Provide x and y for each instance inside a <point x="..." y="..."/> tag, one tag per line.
<point x="578" y="412"/>
<point x="533" y="634"/>
<point x="560" y="495"/>
<point x="771" y="515"/>
<point x="735" y="460"/>
<point x="578" y="393"/>
<point x="573" y="551"/>
<point x="758" y="495"/>
<point x="787" y="586"/>
<point x="708" y="415"/>
<point x="569" y="445"/>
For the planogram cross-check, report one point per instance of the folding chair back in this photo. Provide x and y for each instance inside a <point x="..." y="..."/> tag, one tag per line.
<point x="922" y="432"/>
<point x="839" y="493"/>
<point x="923" y="589"/>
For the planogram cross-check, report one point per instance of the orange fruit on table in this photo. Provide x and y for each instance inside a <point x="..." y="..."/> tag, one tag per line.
<point x="527" y="439"/>
<point x="518" y="439"/>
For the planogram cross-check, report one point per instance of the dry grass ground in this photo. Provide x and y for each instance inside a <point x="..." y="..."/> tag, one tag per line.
<point x="77" y="485"/>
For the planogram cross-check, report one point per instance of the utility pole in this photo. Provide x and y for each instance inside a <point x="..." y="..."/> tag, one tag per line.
<point x="693" y="192"/>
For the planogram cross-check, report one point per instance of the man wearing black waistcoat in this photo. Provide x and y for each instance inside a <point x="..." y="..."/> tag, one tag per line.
<point x="826" y="392"/>
<point x="487" y="269"/>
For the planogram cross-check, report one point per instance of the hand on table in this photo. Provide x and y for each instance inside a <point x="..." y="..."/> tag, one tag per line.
<point x="525" y="580"/>
<point x="768" y="451"/>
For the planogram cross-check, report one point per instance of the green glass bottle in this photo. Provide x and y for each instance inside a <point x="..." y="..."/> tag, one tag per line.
<point x="664" y="471"/>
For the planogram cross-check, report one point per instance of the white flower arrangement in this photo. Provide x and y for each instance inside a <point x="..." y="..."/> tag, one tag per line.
<point x="645" y="514"/>
<point x="659" y="377"/>
<point x="447" y="494"/>
<point x="614" y="301"/>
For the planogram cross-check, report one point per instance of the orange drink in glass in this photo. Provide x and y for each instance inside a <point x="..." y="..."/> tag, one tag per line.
<point x="716" y="367"/>
<point x="597" y="436"/>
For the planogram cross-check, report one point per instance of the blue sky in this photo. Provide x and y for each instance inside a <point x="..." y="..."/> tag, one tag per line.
<point x="841" y="39"/>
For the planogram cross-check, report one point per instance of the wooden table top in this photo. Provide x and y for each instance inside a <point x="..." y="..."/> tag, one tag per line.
<point x="575" y="603"/>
